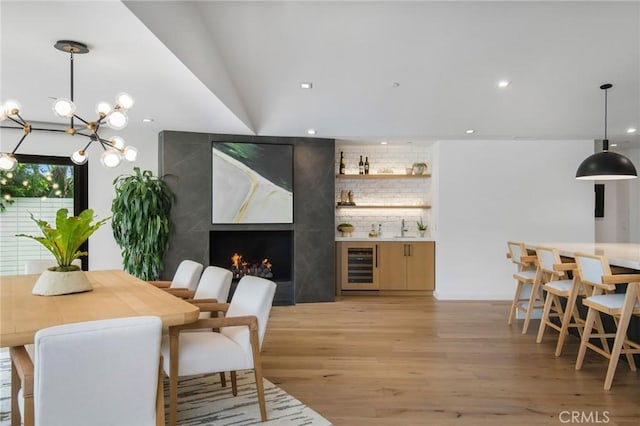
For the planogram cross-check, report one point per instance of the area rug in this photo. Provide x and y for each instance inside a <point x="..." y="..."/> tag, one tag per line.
<point x="203" y="401"/>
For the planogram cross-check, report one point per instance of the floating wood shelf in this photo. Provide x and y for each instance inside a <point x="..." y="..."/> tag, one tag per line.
<point x="396" y="206"/>
<point x="383" y="176"/>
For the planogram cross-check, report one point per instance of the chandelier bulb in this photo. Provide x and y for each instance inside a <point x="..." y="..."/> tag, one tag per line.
<point x="103" y="109"/>
<point x="64" y="108"/>
<point x="117" y="120"/>
<point x="124" y="101"/>
<point x="130" y="153"/>
<point x="11" y="107"/>
<point x="117" y="142"/>
<point x="79" y="157"/>
<point x="8" y="162"/>
<point x="110" y="158"/>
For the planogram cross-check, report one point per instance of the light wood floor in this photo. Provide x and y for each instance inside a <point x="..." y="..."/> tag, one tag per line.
<point x="371" y="360"/>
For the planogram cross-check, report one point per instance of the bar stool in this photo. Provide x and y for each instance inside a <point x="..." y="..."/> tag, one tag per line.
<point x="528" y="296"/>
<point x="595" y="271"/>
<point x="558" y="287"/>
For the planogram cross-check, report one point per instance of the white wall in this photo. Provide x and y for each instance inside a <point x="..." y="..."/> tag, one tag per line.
<point x="490" y="192"/>
<point x="104" y="252"/>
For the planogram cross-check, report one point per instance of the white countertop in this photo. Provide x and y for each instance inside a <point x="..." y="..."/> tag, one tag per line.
<point x="618" y="254"/>
<point x="361" y="238"/>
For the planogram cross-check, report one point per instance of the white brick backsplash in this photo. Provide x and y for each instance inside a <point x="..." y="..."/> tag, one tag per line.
<point x="384" y="191"/>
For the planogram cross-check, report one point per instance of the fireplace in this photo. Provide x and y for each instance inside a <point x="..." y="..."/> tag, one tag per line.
<point x="263" y="253"/>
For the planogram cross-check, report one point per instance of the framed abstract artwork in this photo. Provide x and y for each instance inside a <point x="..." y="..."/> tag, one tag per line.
<point x="251" y="183"/>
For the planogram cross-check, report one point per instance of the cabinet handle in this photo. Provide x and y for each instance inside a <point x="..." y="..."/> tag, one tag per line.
<point x="409" y="247"/>
<point x="404" y="250"/>
<point x="376" y="255"/>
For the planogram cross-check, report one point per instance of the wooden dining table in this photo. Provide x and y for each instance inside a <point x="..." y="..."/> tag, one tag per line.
<point x="621" y="255"/>
<point x="115" y="294"/>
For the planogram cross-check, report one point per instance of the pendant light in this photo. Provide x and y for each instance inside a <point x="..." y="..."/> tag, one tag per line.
<point x="606" y="165"/>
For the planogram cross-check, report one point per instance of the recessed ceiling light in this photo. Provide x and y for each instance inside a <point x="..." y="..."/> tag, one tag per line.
<point x="383" y="143"/>
<point x="147" y="120"/>
<point x="306" y="85"/>
<point x="503" y="83"/>
<point x="395" y="84"/>
<point x="311" y="132"/>
<point x="469" y="131"/>
<point x="632" y="130"/>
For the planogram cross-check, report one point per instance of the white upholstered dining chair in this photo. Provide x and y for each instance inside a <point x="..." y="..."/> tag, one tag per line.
<point x="214" y="283"/>
<point x="528" y="295"/>
<point x="38" y="266"/>
<point x="558" y="287"/>
<point x="236" y="346"/>
<point x="104" y="372"/>
<point x="187" y="276"/>
<point x="595" y="272"/>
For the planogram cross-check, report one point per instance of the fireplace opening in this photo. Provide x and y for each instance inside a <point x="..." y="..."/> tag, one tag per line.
<point x="265" y="254"/>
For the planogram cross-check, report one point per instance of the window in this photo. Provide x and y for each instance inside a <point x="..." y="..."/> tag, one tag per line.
<point x="40" y="185"/>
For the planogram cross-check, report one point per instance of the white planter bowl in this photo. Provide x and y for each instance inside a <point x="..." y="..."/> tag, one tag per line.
<point x="53" y="283"/>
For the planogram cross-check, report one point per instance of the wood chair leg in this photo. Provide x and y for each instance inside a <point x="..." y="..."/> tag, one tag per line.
<point x="173" y="379"/>
<point x="15" y="387"/>
<point x="234" y="384"/>
<point x="223" y="379"/>
<point x="533" y="298"/>
<point x="586" y="335"/>
<point x="514" y="304"/>
<point x="625" y="346"/>
<point x="570" y="311"/>
<point x="257" y="368"/>
<point x="160" y="417"/>
<point x="621" y="333"/>
<point x="545" y="317"/>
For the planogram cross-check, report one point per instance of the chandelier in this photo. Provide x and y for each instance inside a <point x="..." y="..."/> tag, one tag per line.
<point x="114" y="117"/>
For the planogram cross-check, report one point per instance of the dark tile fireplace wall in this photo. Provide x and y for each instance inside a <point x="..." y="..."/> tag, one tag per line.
<point x="185" y="158"/>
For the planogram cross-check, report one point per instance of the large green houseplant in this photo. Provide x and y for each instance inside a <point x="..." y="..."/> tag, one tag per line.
<point x="64" y="242"/>
<point x="141" y="223"/>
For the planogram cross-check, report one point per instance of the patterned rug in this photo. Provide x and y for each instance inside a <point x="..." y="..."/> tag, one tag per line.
<point x="202" y="401"/>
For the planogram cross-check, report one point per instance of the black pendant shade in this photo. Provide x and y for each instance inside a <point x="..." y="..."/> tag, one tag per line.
<point x="606" y="165"/>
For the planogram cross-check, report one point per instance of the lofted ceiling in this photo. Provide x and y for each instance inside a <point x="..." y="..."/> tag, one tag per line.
<point x="396" y="71"/>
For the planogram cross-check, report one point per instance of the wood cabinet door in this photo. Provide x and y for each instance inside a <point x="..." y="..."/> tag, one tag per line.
<point x="393" y="268"/>
<point x="420" y="266"/>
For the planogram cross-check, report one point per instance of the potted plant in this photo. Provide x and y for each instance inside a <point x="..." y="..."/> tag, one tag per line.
<point x="422" y="228"/>
<point x="140" y="222"/>
<point x="346" y="229"/>
<point x="64" y="242"/>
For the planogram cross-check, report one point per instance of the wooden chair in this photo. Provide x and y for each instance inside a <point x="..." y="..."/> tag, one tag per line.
<point x="595" y="271"/>
<point x="528" y="295"/>
<point x="91" y="373"/>
<point x="187" y="276"/>
<point x="558" y="287"/>
<point x="214" y="283"/>
<point x="235" y="347"/>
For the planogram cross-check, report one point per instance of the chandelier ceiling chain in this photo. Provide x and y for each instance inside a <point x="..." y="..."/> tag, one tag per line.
<point x="114" y="117"/>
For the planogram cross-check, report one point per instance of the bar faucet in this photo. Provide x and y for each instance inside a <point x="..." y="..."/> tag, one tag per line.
<point x="403" y="229"/>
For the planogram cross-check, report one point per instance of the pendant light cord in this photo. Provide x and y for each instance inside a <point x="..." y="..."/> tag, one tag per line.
<point x="605" y="142"/>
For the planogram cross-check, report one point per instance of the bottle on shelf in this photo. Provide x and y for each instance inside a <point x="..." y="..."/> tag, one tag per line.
<point x="343" y="167"/>
<point x="366" y="166"/>
<point x="361" y="166"/>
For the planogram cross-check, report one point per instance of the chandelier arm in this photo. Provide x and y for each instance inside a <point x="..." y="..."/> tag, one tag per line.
<point x="20" y="122"/>
<point x="109" y="144"/>
<point x="80" y="118"/>
<point x="19" y="143"/>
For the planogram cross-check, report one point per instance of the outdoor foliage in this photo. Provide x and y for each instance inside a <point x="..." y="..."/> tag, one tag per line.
<point x="65" y="239"/>
<point x="140" y="222"/>
<point x="36" y="181"/>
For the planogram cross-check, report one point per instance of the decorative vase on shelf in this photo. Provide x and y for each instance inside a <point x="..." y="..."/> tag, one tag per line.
<point x="346" y="229"/>
<point x="419" y="168"/>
